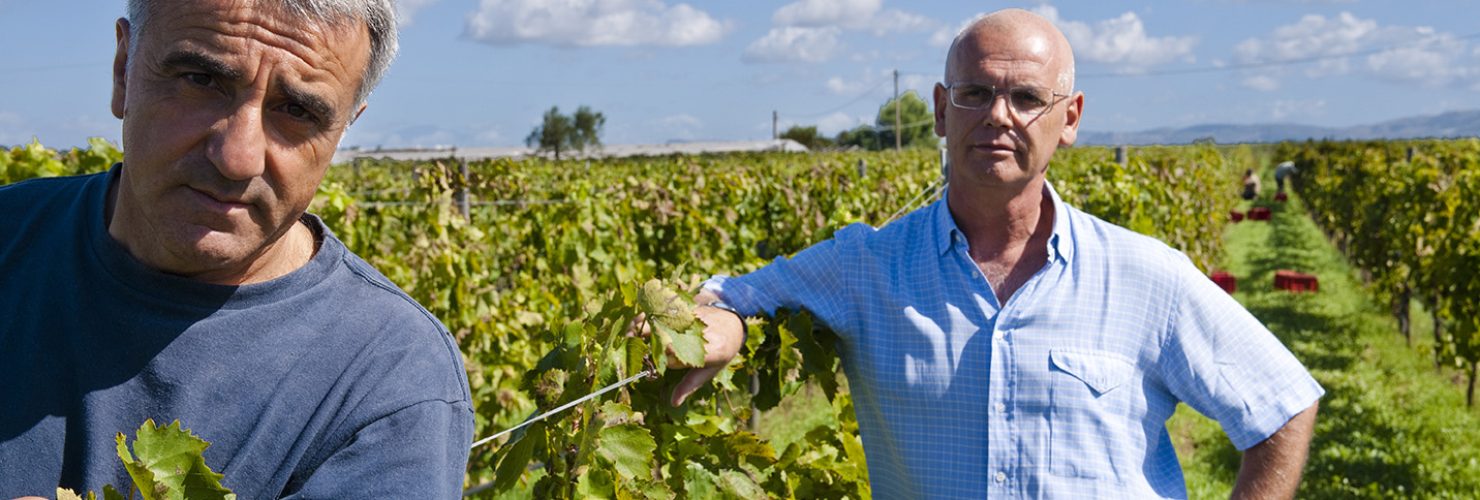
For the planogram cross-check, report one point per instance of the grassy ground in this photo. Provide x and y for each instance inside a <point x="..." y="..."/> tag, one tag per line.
<point x="1389" y="425"/>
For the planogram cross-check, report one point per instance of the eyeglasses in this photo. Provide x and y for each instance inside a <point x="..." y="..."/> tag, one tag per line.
<point x="1026" y="102"/>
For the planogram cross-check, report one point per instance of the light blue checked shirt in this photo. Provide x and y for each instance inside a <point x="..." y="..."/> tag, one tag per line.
<point x="1062" y="392"/>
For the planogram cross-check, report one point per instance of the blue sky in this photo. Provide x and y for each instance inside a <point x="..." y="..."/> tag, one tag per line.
<point x="481" y="72"/>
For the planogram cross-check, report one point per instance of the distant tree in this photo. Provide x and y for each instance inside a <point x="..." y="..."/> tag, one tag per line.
<point x="558" y="132"/>
<point x="806" y="136"/>
<point x="862" y="136"/>
<point x="918" y="123"/>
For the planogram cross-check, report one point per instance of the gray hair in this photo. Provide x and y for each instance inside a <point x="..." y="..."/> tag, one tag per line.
<point x="378" y="15"/>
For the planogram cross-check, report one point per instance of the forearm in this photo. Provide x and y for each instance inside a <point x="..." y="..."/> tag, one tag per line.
<point x="1272" y="468"/>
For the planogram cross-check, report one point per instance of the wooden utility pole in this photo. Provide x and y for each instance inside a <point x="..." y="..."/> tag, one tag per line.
<point x="774" y="118"/>
<point x="464" y="204"/>
<point x="897" y="136"/>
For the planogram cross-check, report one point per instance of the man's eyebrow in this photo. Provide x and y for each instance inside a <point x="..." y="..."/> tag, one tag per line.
<point x="201" y="61"/>
<point x="314" y="103"/>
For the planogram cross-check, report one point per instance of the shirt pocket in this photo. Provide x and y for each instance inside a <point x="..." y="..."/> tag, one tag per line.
<point x="1087" y="419"/>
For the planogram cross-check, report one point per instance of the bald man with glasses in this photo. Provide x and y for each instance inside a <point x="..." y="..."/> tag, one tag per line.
<point x="1000" y="342"/>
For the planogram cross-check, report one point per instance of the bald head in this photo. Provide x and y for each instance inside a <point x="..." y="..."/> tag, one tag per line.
<point x="1013" y="34"/>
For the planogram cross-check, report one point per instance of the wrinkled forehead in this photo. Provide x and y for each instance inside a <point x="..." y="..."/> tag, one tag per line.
<point x="309" y="25"/>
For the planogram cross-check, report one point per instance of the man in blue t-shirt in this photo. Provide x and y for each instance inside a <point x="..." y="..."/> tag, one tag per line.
<point x="188" y="283"/>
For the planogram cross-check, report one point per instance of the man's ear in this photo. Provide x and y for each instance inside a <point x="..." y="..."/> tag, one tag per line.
<point x="1071" y="120"/>
<point x="358" y="112"/>
<point x="941" y="101"/>
<point x="120" y="67"/>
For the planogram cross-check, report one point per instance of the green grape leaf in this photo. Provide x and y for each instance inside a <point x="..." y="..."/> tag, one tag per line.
<point x="635" y="355"/>
<point x="516" y="460"/>
<point x="736" y="484"/>
<point x="169" y="464"/>
<point x="629" y="449"/>
<point x="655" y="490"/>
<point x="664" y="306"/>
<point x="699" y="482"/>
<point x="686" y="346"/>
<point x="595" y="484"/>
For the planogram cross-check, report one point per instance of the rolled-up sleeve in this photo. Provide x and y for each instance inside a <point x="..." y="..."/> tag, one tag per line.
<point x="1221" y="361"/>
<point x="813" y="279"/>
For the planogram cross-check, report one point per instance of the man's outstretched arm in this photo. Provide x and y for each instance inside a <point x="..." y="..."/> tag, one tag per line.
<point x="1271" y="469"/>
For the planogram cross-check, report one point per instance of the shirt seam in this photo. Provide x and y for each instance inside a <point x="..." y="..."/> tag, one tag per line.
<point x="1179" y="296"/>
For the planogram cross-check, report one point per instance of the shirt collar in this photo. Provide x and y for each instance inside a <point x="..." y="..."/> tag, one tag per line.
<point x="1060" y="243"/>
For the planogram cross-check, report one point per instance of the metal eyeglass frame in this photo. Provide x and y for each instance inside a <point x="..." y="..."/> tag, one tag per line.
<point x="998" y="91"/>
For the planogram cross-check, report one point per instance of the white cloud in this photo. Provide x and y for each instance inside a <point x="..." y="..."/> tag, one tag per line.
<point x="1433" y="59"/>
<point x="1302" y="109"/>
<point x="829" y="18"/>
<point x="853" y="14"/>
<point x="944" y="35"/>
<point x="1121" y="40"/>
<point x="1405" y="54"/>
<point x="681" y="126"/>
<point x="838" y="86"/>
<point x="898" y="21"/>
<point x="921" y="84"/>
<point x="1311" y="37"/>
<point x="1261" y="83"/>
<point x="406" y="10"/>
<point x="794" y="44"/>
<point x="838" y="122"/>
<point x="593" y="23"/>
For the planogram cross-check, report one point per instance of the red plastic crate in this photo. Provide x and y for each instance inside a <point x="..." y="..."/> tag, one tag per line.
<point x="1259" y="213"/>
<point x="1235" y="215"/>
<point x="1286" y="279"/>
<point x="1225" y="281"/>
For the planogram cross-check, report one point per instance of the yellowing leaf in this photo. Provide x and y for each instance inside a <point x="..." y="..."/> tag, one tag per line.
<point x="66" y="494"/>
<point x="664" y="306"/>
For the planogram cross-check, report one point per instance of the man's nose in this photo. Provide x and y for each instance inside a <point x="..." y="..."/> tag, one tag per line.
<point x="999" y="111"/>
<point x="238" y="144"/>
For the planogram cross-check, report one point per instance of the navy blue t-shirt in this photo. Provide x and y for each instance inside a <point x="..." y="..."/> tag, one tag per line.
<point x="328" y="382"/>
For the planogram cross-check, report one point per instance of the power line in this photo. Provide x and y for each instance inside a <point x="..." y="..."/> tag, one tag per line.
<point x="835" y="109"/>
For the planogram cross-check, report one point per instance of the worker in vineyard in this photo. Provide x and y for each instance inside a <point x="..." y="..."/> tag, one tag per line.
<point x="188" y="282"/>
<point x="1282" y="172"/>
<point x="1000" y="342"/>
<point x="1251" y="185"/>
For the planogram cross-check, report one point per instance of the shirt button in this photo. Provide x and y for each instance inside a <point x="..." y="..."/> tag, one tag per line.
<point x="999" y="334"/>
<point x="1001" y="408"/>
<point x="1001" y="477"/>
